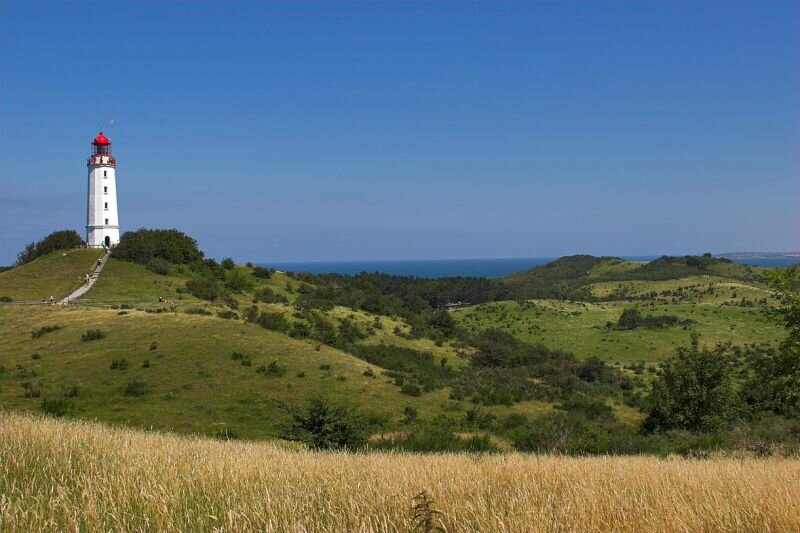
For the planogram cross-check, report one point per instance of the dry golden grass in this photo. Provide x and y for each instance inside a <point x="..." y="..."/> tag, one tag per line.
<point x="76" y="476"/>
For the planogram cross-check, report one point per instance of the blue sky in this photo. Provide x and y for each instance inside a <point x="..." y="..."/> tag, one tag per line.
<point x="398" y="130"/>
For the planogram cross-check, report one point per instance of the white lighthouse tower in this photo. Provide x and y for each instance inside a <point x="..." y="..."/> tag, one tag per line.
<point x="102" y="222"/>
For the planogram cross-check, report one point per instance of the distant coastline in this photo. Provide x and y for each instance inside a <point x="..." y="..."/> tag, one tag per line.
<point x="486" y="268"/>
<point x="761" y="255"/>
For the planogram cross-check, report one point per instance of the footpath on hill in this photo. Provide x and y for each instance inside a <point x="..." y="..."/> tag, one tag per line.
<point x="90" y="280"/>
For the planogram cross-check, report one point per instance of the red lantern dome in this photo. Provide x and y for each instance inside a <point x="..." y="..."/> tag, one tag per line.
<point x="101" y="146"/>
<point x="101" y="139"/>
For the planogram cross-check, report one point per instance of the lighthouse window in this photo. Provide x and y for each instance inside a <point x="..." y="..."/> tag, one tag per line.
<point x="106" y="205"/>
<point x="105" y="190"/>
<point x="106" y="221"/>
<point x="105" y="173"/>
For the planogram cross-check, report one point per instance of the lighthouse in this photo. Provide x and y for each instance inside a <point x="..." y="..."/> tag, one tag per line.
<point x="102" y="221"/>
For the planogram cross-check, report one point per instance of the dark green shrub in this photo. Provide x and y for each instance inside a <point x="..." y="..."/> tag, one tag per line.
<point x="159" y="266"/>
<point x="272" y="369"/>
<point x="268" y="296"/>
<point x="35" y="334"/>
<point x="93" y="335"/>
<point x="119" y="364"/>
<point x="322" y="425"/>
<point x="5" y="299"/>
<point x="205" y="289"/>
<point x="35" y="355"/>
<point x="262" y="272"/>
<point x="146" y="363"/>
<point x="29" y="390"/>
<point x="300" y="330"/>
<point x="411" y="389"/>
<point x="237" y="281"/>
<point x="227" y="263"/>
<point x="135" y="388"/>
<point x="476" y="418"/>
<point x="153" y="346"/>
<point x="251" y="314"/>
<point x="694" y="391"/>
<point x="71" y="392"/>
<point x="57" y="407"/>
<point x="273" y="321"/>
<point x="631" y="319"/>
<point x="775" y="381"/>
<point x="173" y="246"/>
<point x="228" y="314"/>
<point x="58" y="240"/>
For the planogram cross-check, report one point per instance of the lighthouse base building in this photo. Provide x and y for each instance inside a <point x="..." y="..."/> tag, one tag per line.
<point x="102" y="219"/>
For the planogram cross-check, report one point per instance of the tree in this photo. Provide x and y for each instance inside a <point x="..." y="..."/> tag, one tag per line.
<point x="324" y="426"/>
<point x="629" y="319"/>
<point x="171" y="245"/>
<point x="694" y="391"/>
<point x="775" y="384"/>
<point x="58" y="240"/>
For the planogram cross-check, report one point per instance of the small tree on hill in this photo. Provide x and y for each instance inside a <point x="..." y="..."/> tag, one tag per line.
<point x="775" y="384"/>
<point x="324" y="426"/>
<point x="171" y="245"/>
<point x="58" y="240"/>
<point x="694" y="391"/>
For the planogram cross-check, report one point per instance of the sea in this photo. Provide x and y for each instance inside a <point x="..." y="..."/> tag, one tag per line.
<point x="438" y="268"/>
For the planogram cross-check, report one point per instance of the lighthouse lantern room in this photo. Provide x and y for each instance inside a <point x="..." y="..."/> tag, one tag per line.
<point x="102" y="222"/>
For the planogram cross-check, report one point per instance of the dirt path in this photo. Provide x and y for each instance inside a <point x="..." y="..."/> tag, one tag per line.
<point x="83" y="289"/>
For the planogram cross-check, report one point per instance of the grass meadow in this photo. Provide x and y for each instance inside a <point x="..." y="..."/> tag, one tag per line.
<point x="55" y="274"/>
<point x="580" y="327"/>
<point x="79" y="476"/>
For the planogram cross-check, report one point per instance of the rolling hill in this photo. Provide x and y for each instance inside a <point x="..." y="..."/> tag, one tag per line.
<point x="55" y="274"/>
<point x="166" y="356"/>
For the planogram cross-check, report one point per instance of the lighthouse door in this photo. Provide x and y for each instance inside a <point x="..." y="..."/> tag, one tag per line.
<point x="108" y="241"/>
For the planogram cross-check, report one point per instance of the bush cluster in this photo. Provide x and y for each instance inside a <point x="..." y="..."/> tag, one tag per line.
<point x="35" y="334"/>
<point x="93" y="335"/>
<point x="58" y="240"/>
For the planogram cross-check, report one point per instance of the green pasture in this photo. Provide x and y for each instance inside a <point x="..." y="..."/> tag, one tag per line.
<point x="581" y="327"/>
<point x="192" y="383"/>
<point x="55" y="274"/>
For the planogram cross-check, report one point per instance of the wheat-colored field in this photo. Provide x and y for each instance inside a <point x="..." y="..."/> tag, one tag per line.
<point x="77" y="476"/>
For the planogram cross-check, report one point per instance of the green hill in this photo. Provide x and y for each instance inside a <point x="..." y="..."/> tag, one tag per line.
<point x="565" y="278"/>
<point x="190" y="381"/>
<point x="55" y="274"/>
<point x="207" y="347"/>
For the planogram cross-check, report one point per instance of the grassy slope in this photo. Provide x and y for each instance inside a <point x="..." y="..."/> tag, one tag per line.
<point x="122" y="281"/>
<point x="50" y="479"/>
<point x="703" y="295"/>
<point x="580" y="327"/>
<point x="54" y="274"/>
<point x="696" y="287"/>
<point x="560" y="278"/>
<point x="193" y="384"/>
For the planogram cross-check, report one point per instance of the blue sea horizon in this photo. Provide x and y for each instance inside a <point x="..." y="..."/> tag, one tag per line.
<point x="437" y="268"/>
